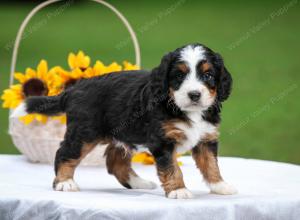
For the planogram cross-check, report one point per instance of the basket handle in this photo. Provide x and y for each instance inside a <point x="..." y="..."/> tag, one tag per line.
<point x="48" y="2"/>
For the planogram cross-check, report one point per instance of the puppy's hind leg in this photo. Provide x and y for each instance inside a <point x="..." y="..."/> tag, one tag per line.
<point x="67" y="159"/>
<point x="118" y="163"/>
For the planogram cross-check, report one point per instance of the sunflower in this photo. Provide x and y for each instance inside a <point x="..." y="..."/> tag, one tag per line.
<point x="37" y="82"/>
<point x="78" y="64"/>
<point x="13" y="96"/>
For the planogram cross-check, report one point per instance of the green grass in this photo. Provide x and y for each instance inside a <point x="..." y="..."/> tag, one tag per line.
<point x="264" y="64"/>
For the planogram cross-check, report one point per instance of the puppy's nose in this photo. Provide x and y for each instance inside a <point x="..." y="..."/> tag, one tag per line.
<point x="194" y="96"/>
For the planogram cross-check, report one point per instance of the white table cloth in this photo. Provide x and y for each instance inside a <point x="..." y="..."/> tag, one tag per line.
<point x="267" y="190"/>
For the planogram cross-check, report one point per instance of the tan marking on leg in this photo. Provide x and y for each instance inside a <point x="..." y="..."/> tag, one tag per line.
<point x="207" y="162"/>
<point x="118" y="163"/>
<point x="66" y="169"/>
<point x="171" y="177"/>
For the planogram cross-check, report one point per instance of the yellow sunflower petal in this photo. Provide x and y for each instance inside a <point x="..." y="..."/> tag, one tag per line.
<point x="88" y="73"/>
<point x="30" y="73"/>
<point x="12" y="97"/>
<point x="41" y="118"/>
<point x="61" y="118"/>
<point x="76" y="73"/>
<point x="20" y="77"/>
<point x="86" y="62"/>
<point x="71" y="60"/>
<point x="27" y="119"/>
<point x="148" y="160"/>
<point x="129" y="66"/>
<point x="98" y="68"/>
<point x="139" y="157"/>
<point x="56" y="78"/>
<point x="42" y="70"/>
<point x="5" y="104"/>
<point x="113" y="67"/>
<point x="78" y="61"/>
<point x="15" y="103"/>
<point x="44" y="119"/>
<point x="83" y="61"/>
<point x="64" y="75"/>
<point x="80" y="55"/>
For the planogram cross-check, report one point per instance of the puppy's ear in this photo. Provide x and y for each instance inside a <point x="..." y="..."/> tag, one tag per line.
<point x="159" y="77"/>
<point x="225" y="80"/>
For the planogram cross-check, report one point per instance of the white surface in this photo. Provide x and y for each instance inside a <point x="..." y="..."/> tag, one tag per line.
<point x="267" y="190"/>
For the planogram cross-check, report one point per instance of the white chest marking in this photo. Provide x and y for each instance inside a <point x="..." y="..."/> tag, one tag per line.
<point x="194" y="132"/>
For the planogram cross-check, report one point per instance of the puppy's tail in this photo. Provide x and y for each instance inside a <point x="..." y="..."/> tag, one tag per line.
<point x="47" y="105"/>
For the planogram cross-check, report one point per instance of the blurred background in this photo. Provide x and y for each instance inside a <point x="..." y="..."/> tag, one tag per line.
<point x="259" y="41"/>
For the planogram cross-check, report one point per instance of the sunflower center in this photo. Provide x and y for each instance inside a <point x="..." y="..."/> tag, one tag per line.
<point x="34" y="87"/>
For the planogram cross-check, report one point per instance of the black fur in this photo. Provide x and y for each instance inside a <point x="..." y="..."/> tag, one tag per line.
<point x="213" y="147"/>
<point x="49" y="105"/>
<point x="225" y="80"/>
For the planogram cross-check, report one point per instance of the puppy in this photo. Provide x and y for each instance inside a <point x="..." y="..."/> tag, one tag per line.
<point x="173" y="108"/>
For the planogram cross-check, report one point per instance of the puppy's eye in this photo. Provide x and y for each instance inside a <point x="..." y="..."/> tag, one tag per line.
<point x="181" y="75"/>
<point x="207" y="76"/>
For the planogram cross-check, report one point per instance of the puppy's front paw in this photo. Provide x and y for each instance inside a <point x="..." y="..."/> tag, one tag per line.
<point x="182" y="193"/>
<point x="137" y="182"/>
<point x="66" y="186"/>
<point x="222" y="188"/>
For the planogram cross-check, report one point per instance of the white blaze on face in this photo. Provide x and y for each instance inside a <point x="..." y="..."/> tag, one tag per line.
<point x="192" y="56"/>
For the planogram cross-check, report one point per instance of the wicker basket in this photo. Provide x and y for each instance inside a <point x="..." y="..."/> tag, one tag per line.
<point x="39" y="142"/>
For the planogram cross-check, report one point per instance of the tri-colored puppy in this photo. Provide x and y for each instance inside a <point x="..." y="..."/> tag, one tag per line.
<point x="173" y="108"/>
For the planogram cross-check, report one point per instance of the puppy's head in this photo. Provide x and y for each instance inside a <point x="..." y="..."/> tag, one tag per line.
<point x="193" y="76"/>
